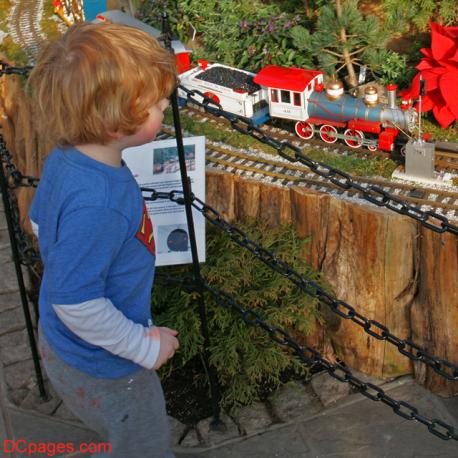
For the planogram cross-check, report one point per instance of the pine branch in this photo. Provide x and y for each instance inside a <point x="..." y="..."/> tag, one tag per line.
<point x="358" y="50"/>
<point x="331" y="52"/>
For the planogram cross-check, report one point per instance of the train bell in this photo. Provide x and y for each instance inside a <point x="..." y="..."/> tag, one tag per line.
<point x="334" y="89"/>
<point x="371" y="96"/>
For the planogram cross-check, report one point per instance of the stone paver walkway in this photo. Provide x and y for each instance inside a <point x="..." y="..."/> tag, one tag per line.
<point x="352" y="428"/>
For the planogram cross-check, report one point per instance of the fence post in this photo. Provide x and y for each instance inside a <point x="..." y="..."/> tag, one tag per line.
<point x="210" y="371"/>
<point x="20" y="278"/>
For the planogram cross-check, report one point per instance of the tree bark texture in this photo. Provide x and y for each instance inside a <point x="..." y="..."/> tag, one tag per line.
<point x="385" y="265"/>
<point x="27" y="146"/>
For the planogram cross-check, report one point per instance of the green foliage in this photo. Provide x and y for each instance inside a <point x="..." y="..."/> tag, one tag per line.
<point x="394" y="70"/>
<point x="4" y="11"/>
<point x="241" y="34"/>
<point x="400" y="14"/>
<point x="366" y="39"/>
<point x="356" y="166"/>
<point x="244" y="357"/>
<point x="253" y="34"/>
<point x="13" y="51"/>
<point x="48" y="23"/>
<point x="437" y="132"/>
<point x="273" y="41"/>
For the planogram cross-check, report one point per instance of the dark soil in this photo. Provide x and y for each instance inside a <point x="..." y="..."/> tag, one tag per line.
<point x="188" y="396"/>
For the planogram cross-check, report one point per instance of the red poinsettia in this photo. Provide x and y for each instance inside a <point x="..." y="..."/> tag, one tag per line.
<point x="439" y="69"/>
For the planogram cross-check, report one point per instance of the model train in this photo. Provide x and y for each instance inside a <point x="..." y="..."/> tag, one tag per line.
<point x="300" y="95"/>
<point x="318" y="108"/>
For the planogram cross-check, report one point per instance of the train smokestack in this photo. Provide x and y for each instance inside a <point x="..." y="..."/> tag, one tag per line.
<point x="391" y="93"/>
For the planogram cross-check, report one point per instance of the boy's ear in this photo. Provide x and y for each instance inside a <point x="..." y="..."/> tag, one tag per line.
<point x="115" y="135"/>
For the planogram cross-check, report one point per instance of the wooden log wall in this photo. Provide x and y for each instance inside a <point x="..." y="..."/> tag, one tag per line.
<point x="385" y="265"/>
<point x="28" y="146"/>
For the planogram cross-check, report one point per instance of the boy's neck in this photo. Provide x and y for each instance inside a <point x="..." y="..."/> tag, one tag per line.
<point x="108" y="154"/>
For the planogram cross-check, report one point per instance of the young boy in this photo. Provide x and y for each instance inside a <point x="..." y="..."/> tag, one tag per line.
<point x="99" y="89"/>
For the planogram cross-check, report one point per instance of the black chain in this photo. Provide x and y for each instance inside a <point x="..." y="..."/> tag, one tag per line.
<point x="372" y="193"/>
<point x="311" y="357"/>
<point x="375" y="329"/>
<point x="15" y="177"/>
<point x="7" y="69"/>
<point x="27" y="253"/>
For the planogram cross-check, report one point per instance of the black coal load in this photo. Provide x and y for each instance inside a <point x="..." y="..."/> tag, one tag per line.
<point x="230" y="78"/>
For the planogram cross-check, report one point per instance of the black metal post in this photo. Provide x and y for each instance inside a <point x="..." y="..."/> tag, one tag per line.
<point x="20" y="278"/>
<point x="212" y="378"/>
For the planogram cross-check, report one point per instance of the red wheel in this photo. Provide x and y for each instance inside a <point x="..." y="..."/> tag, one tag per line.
<point x="305" y="130"/>
<point x="372" y="148"/>
<point x="212" y="96"/>
<point x="357" y="139"/>
<point x="328" y="133"/>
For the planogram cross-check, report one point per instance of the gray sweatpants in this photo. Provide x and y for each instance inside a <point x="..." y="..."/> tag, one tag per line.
<point x="128" y="412"/>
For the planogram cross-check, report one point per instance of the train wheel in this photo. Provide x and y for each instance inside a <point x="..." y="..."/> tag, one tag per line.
<point x="212" y="96"/>
<point x="354" y="142"/>
<point x="328" y="133"/>
<point x="305" y="130"/>
<point x="372" y="148"/>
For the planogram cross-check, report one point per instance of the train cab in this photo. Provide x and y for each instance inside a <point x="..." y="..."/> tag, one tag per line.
<point x="288" y="90"/>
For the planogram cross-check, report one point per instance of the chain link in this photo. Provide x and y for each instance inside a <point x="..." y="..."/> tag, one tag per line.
<point x="372" y="193"/>
<point x="7" y="69"/>
<point x="373" y="328"/>
<point x="27" y="253"/>
<point x="311" y="357"/>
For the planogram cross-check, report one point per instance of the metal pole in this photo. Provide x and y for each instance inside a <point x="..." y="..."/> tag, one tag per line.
<point x="20" y="278"/>
<point x="213" y="381"/>
<point x="419" y="111"/>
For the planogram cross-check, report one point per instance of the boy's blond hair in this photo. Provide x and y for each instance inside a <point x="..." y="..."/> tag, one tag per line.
<point x="99" y="79"/>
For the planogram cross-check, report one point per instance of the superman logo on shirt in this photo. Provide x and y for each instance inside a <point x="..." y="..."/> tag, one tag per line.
<point x="145" y="232"/>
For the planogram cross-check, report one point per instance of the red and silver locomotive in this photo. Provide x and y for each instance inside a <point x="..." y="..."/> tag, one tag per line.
<point x="302" y="96"/>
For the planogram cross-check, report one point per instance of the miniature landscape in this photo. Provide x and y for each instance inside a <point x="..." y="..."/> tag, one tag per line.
<point x="302" y="224"/>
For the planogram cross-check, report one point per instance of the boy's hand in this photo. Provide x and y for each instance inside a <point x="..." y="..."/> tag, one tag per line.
<point x="168" y="345"/>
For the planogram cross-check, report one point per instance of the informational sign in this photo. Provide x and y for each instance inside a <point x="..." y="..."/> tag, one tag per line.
<point x="155" y="165"/>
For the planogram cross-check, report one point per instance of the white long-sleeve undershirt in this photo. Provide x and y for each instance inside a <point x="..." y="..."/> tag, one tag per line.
<point x="100" y="323"/>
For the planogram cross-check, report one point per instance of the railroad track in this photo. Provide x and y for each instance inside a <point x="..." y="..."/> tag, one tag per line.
<point x="278" y="171"/>
<point x="24" y="26"/>
<point x="445" y="159"/>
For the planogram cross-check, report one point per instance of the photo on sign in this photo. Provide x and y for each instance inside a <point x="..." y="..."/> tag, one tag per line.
<point x="156" y="166"/>
<point x="172" y="238"/>
<point x="165" y="160"/>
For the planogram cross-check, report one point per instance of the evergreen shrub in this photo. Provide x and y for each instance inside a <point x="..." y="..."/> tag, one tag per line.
<point x="245" y="358"/>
